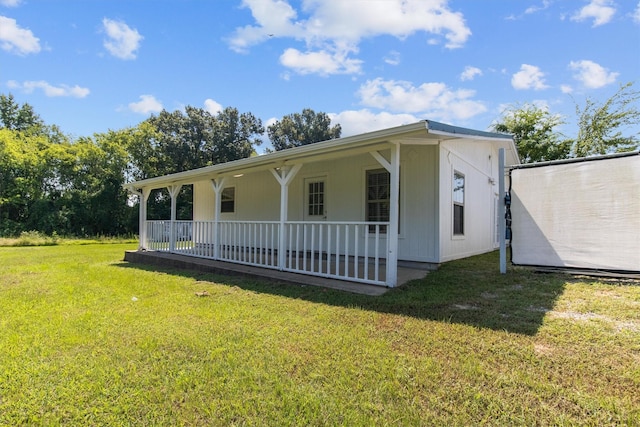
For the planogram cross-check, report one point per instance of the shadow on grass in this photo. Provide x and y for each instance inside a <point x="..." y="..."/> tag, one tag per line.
<point x="469" y="291"/>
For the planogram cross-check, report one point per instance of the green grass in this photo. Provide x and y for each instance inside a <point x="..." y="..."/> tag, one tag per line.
<point x="86" y="339"/>
<point x="35" y="238"/>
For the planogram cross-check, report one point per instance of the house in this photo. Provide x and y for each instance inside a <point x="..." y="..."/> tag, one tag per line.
<point x="349" y="208"/>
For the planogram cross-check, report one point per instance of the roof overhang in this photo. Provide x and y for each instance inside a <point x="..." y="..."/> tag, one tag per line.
<point x="423" y="132"/>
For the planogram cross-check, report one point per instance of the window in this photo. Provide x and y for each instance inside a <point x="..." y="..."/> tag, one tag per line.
<point x="315" y="202"/>
<point x="378" y="192"/>
<point x="228" y="200"/>
<point x="458" y="204"/>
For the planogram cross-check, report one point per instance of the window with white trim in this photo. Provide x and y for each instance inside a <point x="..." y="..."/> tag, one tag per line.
<point x="228" y="200"/>
<point x="458" y="204"/>
<point x="378" y="193"/>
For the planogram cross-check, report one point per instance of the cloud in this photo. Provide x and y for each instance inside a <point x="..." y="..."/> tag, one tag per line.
<point x="534" y="9"/>
<point x="470" y="73"/>
<point x="529" y="77"/>
<point x="566" y="89"/>
<point x="592" y="75"/>
<point x="123" y="41"/>
<point x="332" y="29"/>
<point x="320" y="62"/>
<point x="636" y="14"/>
<point x="17" y="40"/>
<point x="354" y="122"/>
<point x="393" y="58"/>
<point x="601" y="11"/>
<point x="10" y="3"/>
<point x="433" y="99"/>
<point x="147" y="104"/>
<point x="212" y="106"/>
<point x="50" y="90"/>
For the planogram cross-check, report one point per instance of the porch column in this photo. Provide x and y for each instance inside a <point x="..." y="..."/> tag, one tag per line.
<point x="174" y="190"/>
<point x="284" y="177"/>
<point x="217" y="189"/>
<point x="143" y="197"/>
<point x="393" y="167"/>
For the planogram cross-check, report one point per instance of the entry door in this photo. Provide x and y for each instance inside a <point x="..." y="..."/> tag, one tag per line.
<point x="315" y="200"/>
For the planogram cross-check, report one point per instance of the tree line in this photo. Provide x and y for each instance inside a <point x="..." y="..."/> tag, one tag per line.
<point x="52" y="183"/>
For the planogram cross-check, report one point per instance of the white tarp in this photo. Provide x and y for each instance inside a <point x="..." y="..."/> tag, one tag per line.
<point x="580" y="214"/>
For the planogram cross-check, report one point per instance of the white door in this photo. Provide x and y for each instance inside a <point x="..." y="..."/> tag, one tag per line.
<point x="315" y="200"/>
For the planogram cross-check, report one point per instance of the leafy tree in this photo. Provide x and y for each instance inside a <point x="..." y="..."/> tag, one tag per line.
<point x="303" y="128"/>
<point x="533" y="130"/>
<point x="196" y="138"/>
<point x="17" y="117"/>
<point x="601" y="125"/>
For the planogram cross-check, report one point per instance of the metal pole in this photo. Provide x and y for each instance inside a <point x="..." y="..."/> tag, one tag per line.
<point x="501" y="213"/>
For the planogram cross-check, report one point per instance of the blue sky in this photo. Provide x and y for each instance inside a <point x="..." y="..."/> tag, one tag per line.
<point x="92" y="65"/>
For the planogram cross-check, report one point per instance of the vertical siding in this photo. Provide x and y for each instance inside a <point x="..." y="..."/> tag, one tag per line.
<point x="477" y="160"/>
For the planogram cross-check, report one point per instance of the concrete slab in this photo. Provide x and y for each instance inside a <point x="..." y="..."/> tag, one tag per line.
<point x="210" y="266"/>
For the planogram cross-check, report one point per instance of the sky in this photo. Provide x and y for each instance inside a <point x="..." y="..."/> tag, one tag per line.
<point x="89" y="66"/>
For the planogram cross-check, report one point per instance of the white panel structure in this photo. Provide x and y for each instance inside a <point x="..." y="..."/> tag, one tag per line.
<point x="581" y="214"/>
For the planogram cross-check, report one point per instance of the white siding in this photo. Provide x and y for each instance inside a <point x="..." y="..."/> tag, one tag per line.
<point x="258" y="197"/>
<point x="478" y="162"/>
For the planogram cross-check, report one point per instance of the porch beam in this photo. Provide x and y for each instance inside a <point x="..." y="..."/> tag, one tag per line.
<point x="385" y="164"/>
<point x="284" y="176"/>
<point x="392" y="231"/>
<point x="174" y="191"/>
<point x="217" y="185"/>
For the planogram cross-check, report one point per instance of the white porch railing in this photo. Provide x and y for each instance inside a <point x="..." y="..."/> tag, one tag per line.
<point x="354" y="251"/>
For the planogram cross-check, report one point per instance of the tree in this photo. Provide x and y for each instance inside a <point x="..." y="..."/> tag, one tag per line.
<point x="303" y="128"/>
<point x="196" y="138"/>
<point x="533" y="130"/>
<point x="601" y="126"/>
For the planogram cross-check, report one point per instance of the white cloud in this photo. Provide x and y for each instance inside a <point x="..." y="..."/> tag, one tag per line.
<point x="393" y="58"/>
<point x="566" y="89"/>
<point x="123" y="41"/>
<point x="470" y="73"/>
<point x="592" y="75"/>
<point x="17" y="40"/>
<point x="319" y="62"/>
<point x="636" y="14"/>
<point x="601" y="11"/>
<point x="50" y="90"/>
<point x="354" y="122"/>
<point x="536" y="8"/>
<point x="332" y="29"/>
<point x="10" y="3"/>
<point x="529" y="77"/>
<point x="212" y="106"/>
<point x="433" y="99"/>
<point x="147" y="104"/>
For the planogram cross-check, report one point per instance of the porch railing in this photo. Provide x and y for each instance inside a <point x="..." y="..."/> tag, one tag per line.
<point x="354" y="251"/>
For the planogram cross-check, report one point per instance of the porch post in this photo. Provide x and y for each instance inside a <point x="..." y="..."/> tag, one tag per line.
<point x="143" y="195"/>
<point x="174" y="190"/>
<point x="392" y="231"/>
<point x="217" y="189"/>
<point x="393" y="167"/>
<point x="284" y="177"/>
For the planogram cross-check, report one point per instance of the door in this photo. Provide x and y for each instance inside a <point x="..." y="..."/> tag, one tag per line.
<point x="315" y="206"/>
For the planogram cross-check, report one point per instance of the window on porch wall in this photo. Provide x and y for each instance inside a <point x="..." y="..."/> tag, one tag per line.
<point x="228" y="200"/>
<point x="458" y="204"/>
<point x="378" y="193"/>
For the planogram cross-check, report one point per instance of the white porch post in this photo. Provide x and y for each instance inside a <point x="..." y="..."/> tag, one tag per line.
<point x="217" y="189"/>
<point x="284" y="177"/>
<point x="174" y="190"/>
<point x="393" y="167"/>
<point x="143" y="194"/>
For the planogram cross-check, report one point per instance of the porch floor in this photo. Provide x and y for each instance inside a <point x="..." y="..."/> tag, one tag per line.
<point x="405" y="274"/>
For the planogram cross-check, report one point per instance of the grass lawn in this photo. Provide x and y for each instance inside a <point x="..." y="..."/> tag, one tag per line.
<point x="86" y="339"/>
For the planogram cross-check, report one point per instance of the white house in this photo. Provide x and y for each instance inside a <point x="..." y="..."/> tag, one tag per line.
<point x="349" y="208"/>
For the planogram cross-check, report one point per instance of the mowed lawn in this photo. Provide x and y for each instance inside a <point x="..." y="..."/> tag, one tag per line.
<point x="87" y="339"/>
